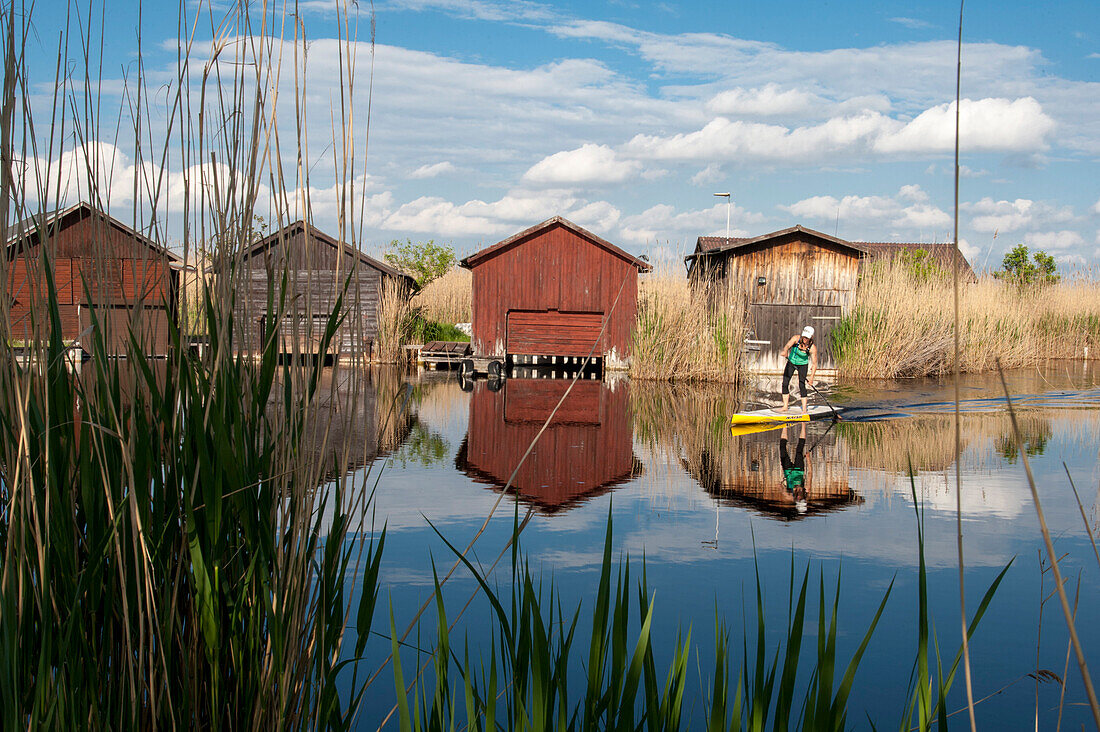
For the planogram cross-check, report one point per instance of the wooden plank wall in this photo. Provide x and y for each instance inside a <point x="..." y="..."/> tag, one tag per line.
<point x="797" y="269"/>
<point x="554" y="270"/>
<point x="581" y="455"/>
<point x="95" y="264"/>
<point x="316" y="273"/>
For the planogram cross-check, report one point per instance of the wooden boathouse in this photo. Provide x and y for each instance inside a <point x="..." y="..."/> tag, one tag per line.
<point x="586" y="451"/>
<point x="543" y="295"/>
<point x="787" y="279"/>
<point x="317" y="266"/>
<point x="792" y="278"/>
<point x="104" y="273"/>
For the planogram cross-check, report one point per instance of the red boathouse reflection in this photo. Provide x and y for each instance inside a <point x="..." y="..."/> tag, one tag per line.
<point x="587" y="448"/>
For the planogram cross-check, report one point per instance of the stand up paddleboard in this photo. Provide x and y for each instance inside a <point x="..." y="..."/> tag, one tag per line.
<point x="795" y="414"/>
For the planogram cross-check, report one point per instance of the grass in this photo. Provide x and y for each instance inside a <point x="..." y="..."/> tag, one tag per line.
<point x="903" y="326"/>
<point x="678" y="337"/>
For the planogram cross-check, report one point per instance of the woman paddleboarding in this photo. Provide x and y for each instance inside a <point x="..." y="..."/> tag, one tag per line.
<point x="801" y="355"/>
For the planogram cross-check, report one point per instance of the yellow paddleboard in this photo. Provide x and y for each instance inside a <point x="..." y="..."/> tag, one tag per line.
<point x="794" y="414"/>
<point x="752" y="428"/>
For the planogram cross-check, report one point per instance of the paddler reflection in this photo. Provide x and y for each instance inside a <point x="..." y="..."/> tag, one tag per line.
<point x="794" y="468"/>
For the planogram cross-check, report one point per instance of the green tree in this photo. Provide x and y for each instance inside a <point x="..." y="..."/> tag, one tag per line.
<point x="1025" y="270"/>
<point x="424" y="261"/>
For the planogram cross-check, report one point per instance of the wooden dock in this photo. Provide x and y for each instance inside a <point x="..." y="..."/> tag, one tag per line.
<point x="444" y="354"/>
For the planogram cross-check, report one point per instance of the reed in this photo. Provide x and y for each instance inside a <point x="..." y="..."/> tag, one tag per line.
<point x="679" y="336"/>
<point x="446" y="299"/>
<point x="525" y="681"/>
<point x="902" y="325"/>
<point x="175" y="535"/>
<point x="395" y="322"/>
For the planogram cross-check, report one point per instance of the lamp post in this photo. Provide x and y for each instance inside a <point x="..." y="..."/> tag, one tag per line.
<point x="728" y="205"/>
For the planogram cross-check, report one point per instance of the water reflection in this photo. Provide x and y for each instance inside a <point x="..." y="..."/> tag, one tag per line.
<point x="356" y="416"/>
<point x="585" y="451"/>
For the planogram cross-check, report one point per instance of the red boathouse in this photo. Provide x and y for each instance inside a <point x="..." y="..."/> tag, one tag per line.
<point x="546" y="292"/>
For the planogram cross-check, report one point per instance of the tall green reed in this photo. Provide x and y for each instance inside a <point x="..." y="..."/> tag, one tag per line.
<point x="165" y="556"/>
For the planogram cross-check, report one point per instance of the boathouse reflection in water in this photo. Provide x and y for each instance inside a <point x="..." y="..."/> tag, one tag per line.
<point x="761" y="470"/>
<point x="585" y="451"/>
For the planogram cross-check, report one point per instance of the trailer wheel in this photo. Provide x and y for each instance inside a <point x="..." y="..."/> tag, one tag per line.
<point x="496" y="369"/>
<point x="466" y="368"/>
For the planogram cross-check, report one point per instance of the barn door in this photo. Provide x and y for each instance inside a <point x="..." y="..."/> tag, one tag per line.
<point x="551" y="333"/>
<point x="771" y="325"/>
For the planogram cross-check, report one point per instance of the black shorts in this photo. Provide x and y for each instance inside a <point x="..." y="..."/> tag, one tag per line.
<point x="788" y="372"/>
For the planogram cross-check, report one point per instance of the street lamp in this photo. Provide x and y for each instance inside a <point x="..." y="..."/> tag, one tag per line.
<point x="728" y="205"/>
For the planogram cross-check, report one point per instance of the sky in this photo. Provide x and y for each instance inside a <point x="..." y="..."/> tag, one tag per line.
<point x="486" y="117"/>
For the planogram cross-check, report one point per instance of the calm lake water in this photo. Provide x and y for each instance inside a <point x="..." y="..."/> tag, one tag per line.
<point x="698" y="503"/>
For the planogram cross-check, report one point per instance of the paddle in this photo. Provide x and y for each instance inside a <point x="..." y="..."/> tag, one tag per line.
<point x="836" y="414"/>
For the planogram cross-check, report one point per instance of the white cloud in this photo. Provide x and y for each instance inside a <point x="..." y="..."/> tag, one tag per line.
<point x="1064" y="239"/>
<point x="710" y="174"/>
<point x="964" y="171"/>
<point x="599" y="216"/>
<point x="432" y="170"/>
<point x="513" y="212"/>
<point x="985" y="125"/>
<point x="914" y="23"/>
<point x="764" y="101"/>
<point x="968" y="250"/>
<point x="910" y="211"/>
<point x="664" y="223"/>
<point x="1096" y="207"/>
<point x="1069" y="259"/>
<point x="1006" y="216"/>
<point x="509" y="11"/>
<point x="588" y="164"/>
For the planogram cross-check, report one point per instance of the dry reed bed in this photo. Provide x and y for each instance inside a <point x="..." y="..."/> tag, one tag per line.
<point x="447" y="298"/>
<point x="677" y="337"/>
<point x="900" y="326"/>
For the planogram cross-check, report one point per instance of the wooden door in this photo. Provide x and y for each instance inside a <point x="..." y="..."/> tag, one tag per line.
<point x="552" y="333"/>
<point x="771" y="325"/>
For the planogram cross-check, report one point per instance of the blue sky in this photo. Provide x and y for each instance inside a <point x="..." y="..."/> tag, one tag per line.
<point x="489" y="116"/>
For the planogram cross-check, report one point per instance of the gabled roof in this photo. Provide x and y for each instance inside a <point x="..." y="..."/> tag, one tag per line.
<point x="944" y="254"/>
<point x="708" y="245"/>
<point x="29" y="227"/>
<point x="474" y="259"/>
<point x="316" y="234"/>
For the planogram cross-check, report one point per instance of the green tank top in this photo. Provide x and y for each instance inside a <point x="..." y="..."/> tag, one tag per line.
<point x="794" y="477"/>
<point x="798" y="357"/>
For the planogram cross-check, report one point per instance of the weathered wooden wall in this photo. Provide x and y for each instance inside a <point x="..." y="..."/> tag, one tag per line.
<point x="99" y="268"/>
<point x="316" y="273"/>
<point x="798" y="269"/>
<point x="586" y="450"/>
<point x="554" y="278"/>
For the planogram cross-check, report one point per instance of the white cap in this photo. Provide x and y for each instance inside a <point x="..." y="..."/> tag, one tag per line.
<point x="808" y="332"/>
